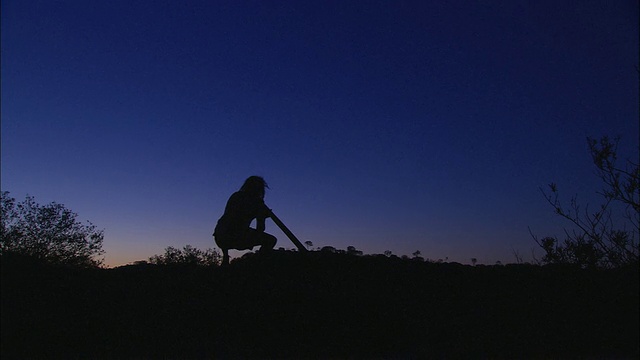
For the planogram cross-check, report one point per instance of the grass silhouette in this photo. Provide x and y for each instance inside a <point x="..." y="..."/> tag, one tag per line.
<point x="319" y="305"/>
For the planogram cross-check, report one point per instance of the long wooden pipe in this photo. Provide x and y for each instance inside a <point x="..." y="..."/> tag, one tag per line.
<point x="288" y="232"/>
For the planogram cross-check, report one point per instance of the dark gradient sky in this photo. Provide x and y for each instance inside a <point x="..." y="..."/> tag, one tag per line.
<point x="402" y="126"/>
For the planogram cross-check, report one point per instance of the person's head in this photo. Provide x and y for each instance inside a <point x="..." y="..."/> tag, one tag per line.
<point x="255" y="185"/>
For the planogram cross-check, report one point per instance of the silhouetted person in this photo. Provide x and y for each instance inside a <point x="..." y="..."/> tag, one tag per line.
<point x="233" y="229"/>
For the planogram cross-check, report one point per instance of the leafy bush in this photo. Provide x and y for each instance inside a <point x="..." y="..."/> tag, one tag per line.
<point x="51" y="233"/>
<point x="188" y="255"/>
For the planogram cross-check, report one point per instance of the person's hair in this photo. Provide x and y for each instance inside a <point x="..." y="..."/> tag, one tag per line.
<point x="255" y="185"/>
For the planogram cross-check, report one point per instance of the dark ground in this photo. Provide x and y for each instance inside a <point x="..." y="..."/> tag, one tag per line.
<point x="318" y="305"/>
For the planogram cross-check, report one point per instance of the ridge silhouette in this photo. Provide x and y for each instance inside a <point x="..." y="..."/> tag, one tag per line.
<point x="321" y="305"/>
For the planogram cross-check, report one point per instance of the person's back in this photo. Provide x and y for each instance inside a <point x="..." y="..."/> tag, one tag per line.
<point x="233" y="229"/>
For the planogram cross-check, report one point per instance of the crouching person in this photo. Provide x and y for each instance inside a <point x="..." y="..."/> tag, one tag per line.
<point x="233" y="229"/>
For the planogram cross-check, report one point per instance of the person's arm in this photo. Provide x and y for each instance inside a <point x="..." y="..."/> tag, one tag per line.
<point x="264" y="213"/>
<point x="260" y="224"/>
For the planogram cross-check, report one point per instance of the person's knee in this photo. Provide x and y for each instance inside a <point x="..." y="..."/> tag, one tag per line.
<point x="222" y="242"/>
<point x="270" y="241"/>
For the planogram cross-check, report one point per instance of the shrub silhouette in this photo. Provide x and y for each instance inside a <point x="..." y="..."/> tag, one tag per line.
<point x="596" y="242"/>
<point x="188" y="255"/>
<point x="351" y="250"/>
<point x="49" y="233"/>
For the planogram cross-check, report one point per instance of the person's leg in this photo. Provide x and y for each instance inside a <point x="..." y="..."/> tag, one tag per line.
<point x="266" y="241"/>
<point x="225" y="257"/>
<point x="224" y="245"/>
<point x="250" y="239"/>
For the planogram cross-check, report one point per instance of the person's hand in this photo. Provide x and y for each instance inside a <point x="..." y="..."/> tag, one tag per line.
<point x="266" y="212"/>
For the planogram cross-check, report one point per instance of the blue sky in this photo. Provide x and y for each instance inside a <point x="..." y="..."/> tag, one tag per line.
<point x="402" y="126"/>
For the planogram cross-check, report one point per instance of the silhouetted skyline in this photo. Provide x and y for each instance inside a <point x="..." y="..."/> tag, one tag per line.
<point x="386" y="126"/>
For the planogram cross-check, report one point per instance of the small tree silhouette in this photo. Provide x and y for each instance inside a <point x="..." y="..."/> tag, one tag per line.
<point x="417" y="255"/>
<point x="596" y="241"/>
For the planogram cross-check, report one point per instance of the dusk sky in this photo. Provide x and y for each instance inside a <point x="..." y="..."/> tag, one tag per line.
<point x="385" y="125"/>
